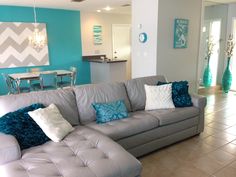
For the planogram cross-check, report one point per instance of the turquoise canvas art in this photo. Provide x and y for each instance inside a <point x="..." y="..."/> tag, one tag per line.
<point x="97" y="34"/>
<point x="181" y="33"/>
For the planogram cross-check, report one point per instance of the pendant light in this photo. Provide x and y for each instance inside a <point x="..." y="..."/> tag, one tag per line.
<point x="37" y="40"/>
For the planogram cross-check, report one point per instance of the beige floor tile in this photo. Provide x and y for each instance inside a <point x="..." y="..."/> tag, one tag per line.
<point x="208" y="165"/>
<point x="170" y="162"/>
<point x="204" y="135"/>
<point x="219" y="126"/>
<point x="231" y="130"/>
<point x="189" y="171"/>
<point x="229" y="122"/>
<point x="188" y="155"/>
<point x="233" y="165"/>
<point x="213" y="141"/>
<point x="234" y="142"/>
<point x="210" y="130"/>
<point x="154" y="170"/>
<point x="230" y="148"/>
<point x="221" y="157"/>
<point x="226" y="172"/>
<point x="225" y="136"/>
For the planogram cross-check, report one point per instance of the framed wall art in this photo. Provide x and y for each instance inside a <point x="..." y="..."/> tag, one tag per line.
<point x="97" y="34"/>
<point x="14" y="45"/>
<point x="181" y="33"/>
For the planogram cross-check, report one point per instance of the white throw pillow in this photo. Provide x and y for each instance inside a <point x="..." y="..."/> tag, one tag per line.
<point x="159" y="97"/>
<point x="51" y="122"/>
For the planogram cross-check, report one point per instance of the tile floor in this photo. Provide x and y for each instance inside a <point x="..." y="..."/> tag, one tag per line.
<point x="212" y="154"/>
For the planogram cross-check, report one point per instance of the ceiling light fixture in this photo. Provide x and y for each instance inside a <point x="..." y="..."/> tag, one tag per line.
<point x="99" y="11"/>
<point x="38" y="40"/>
<point x="108" y="8"/>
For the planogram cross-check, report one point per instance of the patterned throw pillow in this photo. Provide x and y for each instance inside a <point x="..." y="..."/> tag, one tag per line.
<point x="106" y="112"/>
<point x="180" y="95"/>
<point x="158" y="97"/>
<point x="23" y="127"/>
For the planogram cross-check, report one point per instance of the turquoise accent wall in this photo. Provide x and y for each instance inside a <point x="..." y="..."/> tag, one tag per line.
<point x="64" y="39"/>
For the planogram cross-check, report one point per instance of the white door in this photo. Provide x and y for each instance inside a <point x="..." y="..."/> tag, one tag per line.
<point x="121" y="37"/>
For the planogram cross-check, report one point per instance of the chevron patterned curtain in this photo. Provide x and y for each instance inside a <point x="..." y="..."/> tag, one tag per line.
<point x="15" y="50"/>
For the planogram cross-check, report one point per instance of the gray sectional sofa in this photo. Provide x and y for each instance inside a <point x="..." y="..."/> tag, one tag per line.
<point x="98" y="150"/>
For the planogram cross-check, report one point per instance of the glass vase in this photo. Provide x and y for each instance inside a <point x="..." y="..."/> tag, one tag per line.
<point x="227" y="78"/>
<point x="207" y="76"/>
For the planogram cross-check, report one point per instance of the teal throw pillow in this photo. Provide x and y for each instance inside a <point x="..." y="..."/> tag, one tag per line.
<point x="23" y="127"/>
<point x="180" y="94"/>
<point x="106" y="112"/>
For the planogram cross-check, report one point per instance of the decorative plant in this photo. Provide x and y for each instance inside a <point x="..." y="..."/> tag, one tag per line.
<point x="230" y="46"/>
<point x="210" y="48"/>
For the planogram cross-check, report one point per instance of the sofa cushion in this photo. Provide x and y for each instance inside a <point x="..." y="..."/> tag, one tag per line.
<point x="51" y="122"/>
<point x="136" y="91"/>
<point x="170" y="116"/>
<point x="99" y="93"/>
<point x="180" y="94"/>
<point x="158" y="97"/>
<point x="20" y="125"/>
<point x="63" y="99"/>
<point x="83" y="153"/>
<point x="137" y="122"/>
<point x="107" y="112"/>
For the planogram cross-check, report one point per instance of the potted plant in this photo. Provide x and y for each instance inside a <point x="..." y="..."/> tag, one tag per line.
<point x="227" y="76"/>
<point x="207" y="76"/>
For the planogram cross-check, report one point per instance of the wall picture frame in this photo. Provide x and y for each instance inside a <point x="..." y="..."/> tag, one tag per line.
<point x="181" y="27"/>
<point x="97" y="35"/>
<point x="15" y="50"/>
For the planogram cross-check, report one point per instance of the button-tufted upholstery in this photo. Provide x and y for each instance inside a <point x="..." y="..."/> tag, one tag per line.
<point x="83" y="153"/>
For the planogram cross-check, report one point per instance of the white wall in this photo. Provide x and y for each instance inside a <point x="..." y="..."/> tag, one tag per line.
<point x="231" y="15"/>
<point x="88" y="20"/>
<point x="178" y="64"/>
<point x="144" y="55"/>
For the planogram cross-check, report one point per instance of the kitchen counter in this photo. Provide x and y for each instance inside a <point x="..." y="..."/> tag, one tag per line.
<point x="106" y="70"/>
<point x="106" y="61"/>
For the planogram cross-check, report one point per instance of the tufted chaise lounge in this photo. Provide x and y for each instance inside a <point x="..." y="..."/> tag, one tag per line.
<point x="98" y="150"/>
<point x="83" y="153"/>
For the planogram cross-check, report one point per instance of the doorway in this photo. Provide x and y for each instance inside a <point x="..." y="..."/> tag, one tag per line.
<point x="233" y="64"/>
<point x="121" y="39"/>
<point x="212" y="30"/>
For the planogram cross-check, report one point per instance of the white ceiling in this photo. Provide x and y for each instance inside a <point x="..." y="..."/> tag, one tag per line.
<point x="87" y="5"/>
<point x="90" y="5"/>
<point x="216" y="2"/>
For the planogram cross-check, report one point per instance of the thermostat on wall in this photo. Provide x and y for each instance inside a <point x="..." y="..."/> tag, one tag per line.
<point x="143" y="37"/>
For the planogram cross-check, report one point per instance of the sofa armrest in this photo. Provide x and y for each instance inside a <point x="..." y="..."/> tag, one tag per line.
<point x="199" y="101"/>
<point x="9" y="149"/>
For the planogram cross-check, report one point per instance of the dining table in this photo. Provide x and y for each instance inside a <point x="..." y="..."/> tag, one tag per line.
<point x="19" y="77"/>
